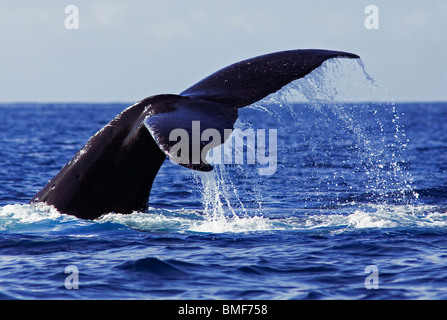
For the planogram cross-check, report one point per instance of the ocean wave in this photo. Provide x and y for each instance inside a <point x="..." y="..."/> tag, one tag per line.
<point x="35" y="217"/>
<point x="383" y="216"/>
<point x="14" y="216"/>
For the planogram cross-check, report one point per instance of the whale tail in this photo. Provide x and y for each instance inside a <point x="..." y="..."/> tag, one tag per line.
<point x="213" y="101"/>
<point x="248" y="81"/>
<point x="115" y="170"/>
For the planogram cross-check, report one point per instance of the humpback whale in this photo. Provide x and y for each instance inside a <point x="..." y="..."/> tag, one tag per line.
<point x="115" y="170"/>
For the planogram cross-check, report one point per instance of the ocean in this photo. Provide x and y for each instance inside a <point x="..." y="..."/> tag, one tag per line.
<point x="356" y="207"/>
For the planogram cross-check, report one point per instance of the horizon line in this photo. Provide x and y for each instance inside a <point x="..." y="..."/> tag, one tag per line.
<point x="298" y="102"/>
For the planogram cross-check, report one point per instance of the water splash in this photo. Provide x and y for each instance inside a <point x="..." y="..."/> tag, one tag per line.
<point x="342" y="91"/>
<point x="26" y="214"/>
<point x="338" y="94"/>
<point x="223" y="209"/>
<point x="38" y="219"/>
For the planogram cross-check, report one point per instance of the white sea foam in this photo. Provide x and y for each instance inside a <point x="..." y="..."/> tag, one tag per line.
<point x="392" y="216"/>
<point x="362" y="217"/>
<point x="379" y="216"/>
<point x="150" y="221"/>
<point x="158" y="220"/>
<point x="26" y="213"/>
<point x="234" y="224"/>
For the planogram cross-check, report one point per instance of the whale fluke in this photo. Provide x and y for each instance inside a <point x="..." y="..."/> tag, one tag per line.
<point x="248" y="81"/>
<point x="115" y="170"/>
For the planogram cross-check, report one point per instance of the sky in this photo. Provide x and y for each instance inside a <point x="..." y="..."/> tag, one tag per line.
<point x="124" y="51"/>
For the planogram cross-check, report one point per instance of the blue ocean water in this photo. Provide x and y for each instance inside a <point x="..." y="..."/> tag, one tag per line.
<point x="358" y="186"/>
